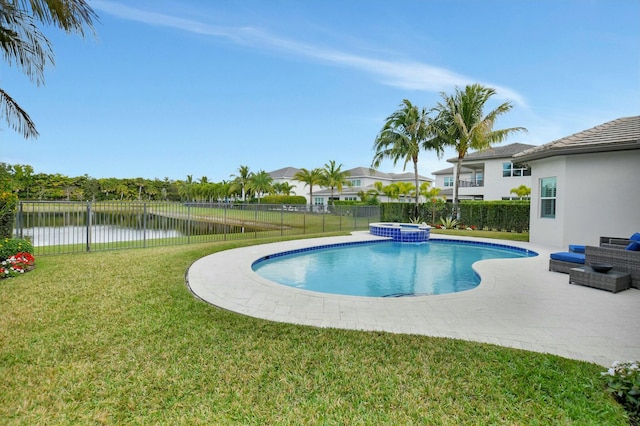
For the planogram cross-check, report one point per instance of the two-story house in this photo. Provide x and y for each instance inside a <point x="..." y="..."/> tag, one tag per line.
<point x="489" y="174"/>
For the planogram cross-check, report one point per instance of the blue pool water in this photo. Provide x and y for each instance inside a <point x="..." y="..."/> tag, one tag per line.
<point x="384" y="269"/>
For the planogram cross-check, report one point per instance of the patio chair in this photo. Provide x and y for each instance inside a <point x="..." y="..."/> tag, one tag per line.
<point x="618" y="242"/>
<point x="626" y="260"/>
<point x="563" y="261"/>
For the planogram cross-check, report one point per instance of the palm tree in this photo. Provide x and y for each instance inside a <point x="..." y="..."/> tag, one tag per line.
<point x="405" y="189"/>
<point x="283" y="188"/>
<point x="432" y="195"/>
<point x="405" y="133"/>
<point x="260" y="183"/>
<point x="521" y="191"/>
<point x="26" y="46"/>
<point x="462" y="123"/>
<point x="392" y="191"/>
<point x="309" y="178"/>
<point x="334" y="177"/>
<point x="242" y="179"/>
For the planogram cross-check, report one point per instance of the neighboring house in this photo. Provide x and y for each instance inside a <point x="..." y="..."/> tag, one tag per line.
<point x="362" y="179"/>
<point x="586" y="185"/>
<point x="489" y="174"/>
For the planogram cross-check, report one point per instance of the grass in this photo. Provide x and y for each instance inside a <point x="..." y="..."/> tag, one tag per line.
<point x="117" y="338"/>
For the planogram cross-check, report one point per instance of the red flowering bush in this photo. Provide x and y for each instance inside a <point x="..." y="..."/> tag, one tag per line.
<point x="17" y="264"/>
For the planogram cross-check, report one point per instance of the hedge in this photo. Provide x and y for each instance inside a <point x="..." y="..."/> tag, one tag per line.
<point x="489" y="215"/>
<point x="283" y="199"/>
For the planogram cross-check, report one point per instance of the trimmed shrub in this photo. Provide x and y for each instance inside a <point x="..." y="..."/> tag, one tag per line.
<point x="8" y="207"/>
<point x="496" y="215"/>
<point x="283" y="199"/>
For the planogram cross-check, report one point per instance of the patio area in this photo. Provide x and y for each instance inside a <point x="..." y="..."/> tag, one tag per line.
<point x="519" y="304"/>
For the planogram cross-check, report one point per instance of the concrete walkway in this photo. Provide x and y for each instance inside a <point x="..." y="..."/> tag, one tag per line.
<point x="518" y="304"/>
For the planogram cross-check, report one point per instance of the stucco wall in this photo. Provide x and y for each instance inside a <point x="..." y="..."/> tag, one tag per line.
<point x="547" y="231"/>
<point x="597" y="194"/>
<point x="495" y="185"/>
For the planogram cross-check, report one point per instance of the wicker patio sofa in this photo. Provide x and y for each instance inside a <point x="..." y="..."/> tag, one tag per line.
<point x="618" y="242"/>
<point x="622" y="260"/>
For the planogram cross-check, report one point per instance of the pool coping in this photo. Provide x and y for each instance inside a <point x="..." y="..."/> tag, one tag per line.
<point x="518" y="304"/>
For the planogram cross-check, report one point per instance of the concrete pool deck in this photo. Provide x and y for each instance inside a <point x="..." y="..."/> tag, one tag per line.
<point x="518" y="304"/>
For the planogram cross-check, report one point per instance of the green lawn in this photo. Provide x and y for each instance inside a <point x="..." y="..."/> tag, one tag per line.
<point x="116" y="338"/>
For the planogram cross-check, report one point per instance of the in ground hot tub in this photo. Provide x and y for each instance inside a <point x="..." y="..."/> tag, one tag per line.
<point x="402" y="232"/>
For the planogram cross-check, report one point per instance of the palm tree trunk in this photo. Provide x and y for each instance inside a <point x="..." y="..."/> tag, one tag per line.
<point x="456" y="187"/>
<point x="415" y="173"/>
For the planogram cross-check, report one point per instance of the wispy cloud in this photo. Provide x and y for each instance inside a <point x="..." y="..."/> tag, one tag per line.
<point x="402" y="74"/>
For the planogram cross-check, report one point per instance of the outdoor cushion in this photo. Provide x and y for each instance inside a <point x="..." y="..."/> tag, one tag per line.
<point x="568" y="257"/>
<point x="635" y="237"/>
<point x="575" y="248"/>
<point x="633" y="246"/>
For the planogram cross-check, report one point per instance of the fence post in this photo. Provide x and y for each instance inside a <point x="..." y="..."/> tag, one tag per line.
<point x="188" y="223"/>
<point x="144" y="224"/>
<point x="88" y="226"/>
<point x="281" y="221"/>
<point x="355" y="218"/>
<point x="20" y="220"/>
<point x="224" y="222"/>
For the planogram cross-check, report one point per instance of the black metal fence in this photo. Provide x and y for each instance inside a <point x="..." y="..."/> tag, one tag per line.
<point x="68" y="227"/>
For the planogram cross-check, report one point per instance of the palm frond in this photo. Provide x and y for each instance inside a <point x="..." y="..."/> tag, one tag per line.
<point x="16" y="117"/>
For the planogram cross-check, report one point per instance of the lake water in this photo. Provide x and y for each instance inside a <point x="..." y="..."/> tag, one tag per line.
<point x="61" y="235"/>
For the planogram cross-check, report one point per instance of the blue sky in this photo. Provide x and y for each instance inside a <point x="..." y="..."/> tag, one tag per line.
<point x="170" y="89"/>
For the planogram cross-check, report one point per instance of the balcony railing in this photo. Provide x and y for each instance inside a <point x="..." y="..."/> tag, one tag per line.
<point x="466" y="183"/>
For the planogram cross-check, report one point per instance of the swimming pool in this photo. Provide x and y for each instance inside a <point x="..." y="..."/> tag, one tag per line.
<point x="384" y="268"/>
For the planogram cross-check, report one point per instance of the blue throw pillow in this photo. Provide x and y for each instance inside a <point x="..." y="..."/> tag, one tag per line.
<point x="635" y="237"/>
<point x="634" y="246"/>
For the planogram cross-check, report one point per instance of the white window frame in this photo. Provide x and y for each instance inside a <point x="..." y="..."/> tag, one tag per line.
<point x="548" y="198"/>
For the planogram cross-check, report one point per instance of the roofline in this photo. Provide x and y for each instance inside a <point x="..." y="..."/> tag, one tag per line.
<point x="572" y="150"/>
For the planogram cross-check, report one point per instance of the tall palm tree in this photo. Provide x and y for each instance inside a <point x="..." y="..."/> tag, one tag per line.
<point x="260" y="183"/>
<point x="242" y="179"/>
<point x="334" y="177"/>
<point x="405" y="133"/>
<point x="309" y="178"/>
<point x="25" y="45"/>
<point x="462" y="123"/>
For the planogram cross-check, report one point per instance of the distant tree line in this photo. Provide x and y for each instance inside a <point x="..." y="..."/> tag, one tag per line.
<point x="245" y="186"/>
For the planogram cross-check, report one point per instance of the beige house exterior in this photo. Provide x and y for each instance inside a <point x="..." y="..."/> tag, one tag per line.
<point x="586" y="185"/>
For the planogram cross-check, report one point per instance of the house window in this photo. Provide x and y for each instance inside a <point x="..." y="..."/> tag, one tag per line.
<point x="548" y="197"/>
<point x="515" y="170"/>
<point x="448" y="181"/>
<point x="479" y="179"/>
<point x="318" y="201"/>
<point x="355" y="182"/>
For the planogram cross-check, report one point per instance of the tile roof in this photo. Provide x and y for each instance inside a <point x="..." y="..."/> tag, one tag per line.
<point x="506" y="151"/>
<point x="449" y="171"/>
<point x="617" y="135"/>
<point x="284" y="173"/>
<point x="357" y="172"/>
